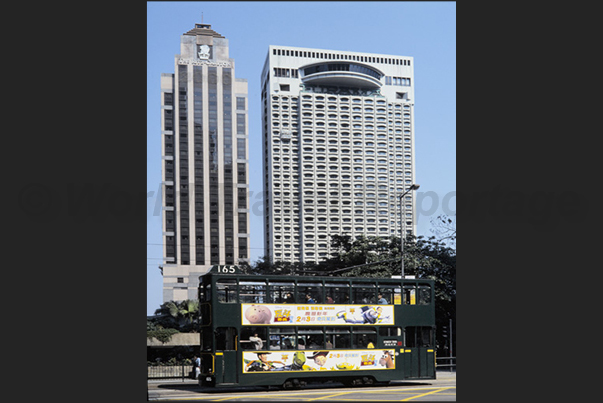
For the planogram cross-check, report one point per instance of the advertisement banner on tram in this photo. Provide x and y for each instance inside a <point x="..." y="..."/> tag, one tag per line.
<point x="348" y="360"/>
<point x="294" y="314"/>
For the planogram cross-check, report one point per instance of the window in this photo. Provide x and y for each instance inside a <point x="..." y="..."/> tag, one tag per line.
<point x="240" y="103"/>
<point x="338" y="337"/>
<point x="247" y="332"/>
<point x="410" y="295"/>
<point x="424" y="294"/>
<point x="364" y="293"/>
<point x="391" y="293"/>
<point x="310" y="338"/>
<point x="284" y="87"/>
<point x="240" y="123"/>
<point x="282" y="338"/>
<point x="227" y="291"/>
<point x="312" y="289"/>
<point x="362" y="336"/>
<point x="339" y="293"/>
<point x="282" y="292"/>
<point x="252" y="292"/>
<point x="387" y="331"/>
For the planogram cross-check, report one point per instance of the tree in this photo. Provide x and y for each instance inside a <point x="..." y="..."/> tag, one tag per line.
<point x="444" y="228"/>
<point x="266" y="267"/>
<point x="182" y="315"/>
<point x="425" y="258"/>
<point x="429" y="258"/>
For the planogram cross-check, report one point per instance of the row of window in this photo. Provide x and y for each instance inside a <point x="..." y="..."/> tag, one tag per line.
<point x="309" y="135"/>
<point x="341" y="100"/>
<point x="319" y="338"/>
<point x="405" y="81"/>
<point x="339" y="56"/>
<point x="283" y="72"/>
<point x="231" y="290"/>
<point x="332" y="116"/>
<point x="318" y="141"/>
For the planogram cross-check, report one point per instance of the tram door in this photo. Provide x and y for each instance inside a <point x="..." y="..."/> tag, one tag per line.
<point x="419" y="352"/>
<point x="227" y="366"/>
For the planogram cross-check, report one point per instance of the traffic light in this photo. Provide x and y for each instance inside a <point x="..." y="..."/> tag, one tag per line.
<point x="445" y="332"/>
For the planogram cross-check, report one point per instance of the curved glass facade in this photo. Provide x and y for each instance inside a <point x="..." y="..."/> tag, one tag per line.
<point x="352" y="67"/>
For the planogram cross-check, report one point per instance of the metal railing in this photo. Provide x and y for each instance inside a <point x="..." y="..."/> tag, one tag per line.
<point x="450" y="364"/>
<point x="169" y="371"/>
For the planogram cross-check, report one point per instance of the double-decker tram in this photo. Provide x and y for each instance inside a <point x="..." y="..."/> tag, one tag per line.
<point x="291" y="330"/>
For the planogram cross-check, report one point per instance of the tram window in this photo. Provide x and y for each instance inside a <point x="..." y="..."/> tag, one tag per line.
<point x="275" y="342"/>
<point x="361" y="336"/>
<point x="339" y="293"/>
<point x="418" y="336"/>
<point x="340" y="338"/>
<point x="388" y="293"/>
<point x="424" y="294"/>
<point x="312" y="338"/>
<point x="227" y="291"/>
<point x="282" y="292"/>
<point x="389" y="331"/>
<point x="315" y="290"/>
<point x="342" y="341"/>
<point x="253" y="292"/>
<point x="410" y="295"/>
<point x="225" y="338"/>
<point x="284" y="338"/>
<point x="364" y="293"/>
<point x="247" y="332"/>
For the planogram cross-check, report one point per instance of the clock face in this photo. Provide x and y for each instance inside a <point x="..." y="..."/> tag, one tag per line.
<point x="203" y="52"/>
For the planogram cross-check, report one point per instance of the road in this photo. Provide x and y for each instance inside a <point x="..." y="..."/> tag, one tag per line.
<point x="441" y="389"/>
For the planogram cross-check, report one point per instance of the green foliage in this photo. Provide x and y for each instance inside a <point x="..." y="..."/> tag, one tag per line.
<point x="180" y="315"/>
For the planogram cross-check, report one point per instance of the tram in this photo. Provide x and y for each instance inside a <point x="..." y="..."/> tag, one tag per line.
<point x="292" y="330"/>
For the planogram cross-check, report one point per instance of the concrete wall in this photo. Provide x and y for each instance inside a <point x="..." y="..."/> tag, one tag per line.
<point x="178" y="339"/>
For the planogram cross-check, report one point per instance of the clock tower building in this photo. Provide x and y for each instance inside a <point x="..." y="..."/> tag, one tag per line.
<point x="205" y="166"/>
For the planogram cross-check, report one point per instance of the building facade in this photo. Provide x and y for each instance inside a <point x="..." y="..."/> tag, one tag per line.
<point x="338" y="148"/>
<point x="204" y="121"/>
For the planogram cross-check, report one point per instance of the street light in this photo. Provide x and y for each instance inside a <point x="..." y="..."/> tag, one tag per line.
<point x="414" y="186"/>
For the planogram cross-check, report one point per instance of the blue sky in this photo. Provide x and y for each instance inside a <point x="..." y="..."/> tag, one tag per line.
<point x="425" y="31"/>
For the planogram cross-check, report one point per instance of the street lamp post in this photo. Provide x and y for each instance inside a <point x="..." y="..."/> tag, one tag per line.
<point x="414" y="186"/>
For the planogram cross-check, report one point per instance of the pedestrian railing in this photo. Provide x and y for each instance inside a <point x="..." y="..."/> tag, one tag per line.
<point x="450" y="363"/>
<point x="169" y="371"/>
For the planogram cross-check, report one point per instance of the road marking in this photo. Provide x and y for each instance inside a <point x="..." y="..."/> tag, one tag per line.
<point x="425" y="394"/>
<point x="336" y="394"/>
<point x="295" y="395"/>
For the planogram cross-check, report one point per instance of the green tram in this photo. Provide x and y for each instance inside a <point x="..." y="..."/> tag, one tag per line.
<point x="291" y="330"/>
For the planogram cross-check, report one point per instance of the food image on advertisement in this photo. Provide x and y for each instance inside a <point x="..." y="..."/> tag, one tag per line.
<point x="293" y="314"/>
<point x="346" y="360"/>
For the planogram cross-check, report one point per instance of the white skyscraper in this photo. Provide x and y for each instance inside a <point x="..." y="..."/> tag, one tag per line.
<point x="338" y="148"/>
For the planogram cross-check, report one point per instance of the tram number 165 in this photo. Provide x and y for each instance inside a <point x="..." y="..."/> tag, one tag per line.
<point x="227" y="269"/>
